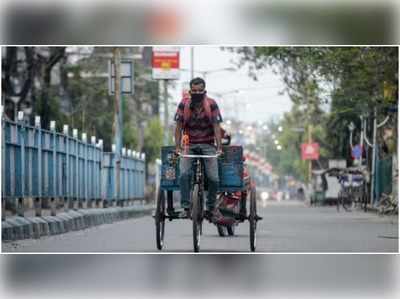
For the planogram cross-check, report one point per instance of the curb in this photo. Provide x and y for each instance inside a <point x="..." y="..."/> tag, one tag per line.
<point x="20" y="228"/>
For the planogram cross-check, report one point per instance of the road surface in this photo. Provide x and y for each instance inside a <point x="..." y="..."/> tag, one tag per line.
<point x="288" y="226"/>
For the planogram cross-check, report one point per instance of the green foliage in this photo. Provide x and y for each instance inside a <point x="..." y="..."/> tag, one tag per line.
<point x="351" y="79"/>
<point x="153" y="139"/>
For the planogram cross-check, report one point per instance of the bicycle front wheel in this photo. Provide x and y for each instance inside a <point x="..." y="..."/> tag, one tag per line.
<point x="197" y="217"/>
<point x="160" y="219"/>
<point x="253" y="219"/>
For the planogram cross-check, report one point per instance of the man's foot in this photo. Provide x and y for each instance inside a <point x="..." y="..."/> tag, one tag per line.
<point x="208" y="214"/>
<point x="243" y="214"/>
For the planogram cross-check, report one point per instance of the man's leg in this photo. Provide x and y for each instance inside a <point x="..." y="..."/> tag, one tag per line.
<point x="211" y="168"/>
<point x="185" y="167"/>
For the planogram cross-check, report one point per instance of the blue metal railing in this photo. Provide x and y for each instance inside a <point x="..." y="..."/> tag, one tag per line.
<point x="131" y="177"/>
<point x="45" y="164"/>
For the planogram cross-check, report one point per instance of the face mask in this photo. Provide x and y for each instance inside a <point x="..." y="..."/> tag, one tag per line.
<point x="197" y="97"/>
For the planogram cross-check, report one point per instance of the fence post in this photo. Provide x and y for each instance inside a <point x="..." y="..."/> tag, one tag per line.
<point x="100" y="202"/>
<point x="129" y="154"/>
<point x="38" y="201"/>
<point x="91" y="174"/>
<point x="123" y="173"/>
<point x="76" y="168"/>
<point x="20" y="207"/>
<point x="115" y="195"/>
<point x="53" y="199"/>
<point x="142" y="177"/>
<point x="66" y="172"/>
<point x="3" y="169"/>
<point x="83" y="202"/>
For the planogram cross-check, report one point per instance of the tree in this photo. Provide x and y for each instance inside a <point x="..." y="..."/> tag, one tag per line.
<point x="24" y="68"/>
<point x="352" y="77"/>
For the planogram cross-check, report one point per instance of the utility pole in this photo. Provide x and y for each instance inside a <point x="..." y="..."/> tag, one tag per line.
<point x="309" y="161"/>
<point x="117" y="119"/>
<point x="361" y="140"/>
<point x="191" y="63"/>
<point x="373" y="167"/>
<point x="166" y="114"/>
<point x="309" y="129"/>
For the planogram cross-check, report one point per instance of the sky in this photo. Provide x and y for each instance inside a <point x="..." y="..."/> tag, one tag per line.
<point x="256" y="101"/>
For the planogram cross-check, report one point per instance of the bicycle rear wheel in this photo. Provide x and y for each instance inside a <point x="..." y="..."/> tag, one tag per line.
<point x="160" y="219"/>
<point x="197" y="218"/>
<point x="347" y="202"/>
<point x="253" y="219"/>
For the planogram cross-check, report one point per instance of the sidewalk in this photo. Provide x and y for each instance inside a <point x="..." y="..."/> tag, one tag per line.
<point x="18" y="228"/>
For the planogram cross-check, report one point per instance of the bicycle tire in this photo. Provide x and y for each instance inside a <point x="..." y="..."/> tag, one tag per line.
<point x="347" y="203"/>
<point x="196" y="218"/>
<point x="160" y="219"/>
<point x="253" y="220"/>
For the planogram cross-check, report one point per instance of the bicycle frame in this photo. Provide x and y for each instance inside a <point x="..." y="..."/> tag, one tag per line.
<point x="198" y="177"/>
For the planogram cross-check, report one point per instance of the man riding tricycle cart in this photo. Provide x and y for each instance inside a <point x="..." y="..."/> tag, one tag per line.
<point x="200" y="164"/>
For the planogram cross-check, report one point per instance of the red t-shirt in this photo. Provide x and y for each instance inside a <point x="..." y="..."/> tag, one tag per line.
<point x="199" y="126"/>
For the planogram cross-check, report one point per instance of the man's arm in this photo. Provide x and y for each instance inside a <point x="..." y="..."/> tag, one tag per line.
<point x="178" y="136"/>
<point x="217" y="133"/>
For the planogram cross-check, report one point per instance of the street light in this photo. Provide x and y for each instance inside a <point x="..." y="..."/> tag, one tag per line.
<point x="279" y="147"/>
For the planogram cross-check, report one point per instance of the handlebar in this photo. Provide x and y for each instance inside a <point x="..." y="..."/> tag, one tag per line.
<point x="198" y="156"/>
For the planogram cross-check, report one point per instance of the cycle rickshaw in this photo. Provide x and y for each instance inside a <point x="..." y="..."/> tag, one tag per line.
<point x="232" y="183"/>
<point x="353" y="188"/>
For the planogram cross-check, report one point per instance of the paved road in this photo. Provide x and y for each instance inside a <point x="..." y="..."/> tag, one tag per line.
<point x="287" y="227"/>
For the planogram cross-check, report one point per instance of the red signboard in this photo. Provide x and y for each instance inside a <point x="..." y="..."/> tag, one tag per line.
<point x="310" y="151"/>
<point x="165" y="62"/>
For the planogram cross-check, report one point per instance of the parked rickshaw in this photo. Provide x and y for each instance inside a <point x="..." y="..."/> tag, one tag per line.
<point x="236" y="201"/>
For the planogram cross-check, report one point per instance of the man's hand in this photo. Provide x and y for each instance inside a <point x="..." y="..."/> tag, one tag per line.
<point x="219" y="152"/>
<point x="178" y="150"/>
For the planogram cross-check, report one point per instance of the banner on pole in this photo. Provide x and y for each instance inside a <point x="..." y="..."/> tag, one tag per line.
<point x="310" y="151"/>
